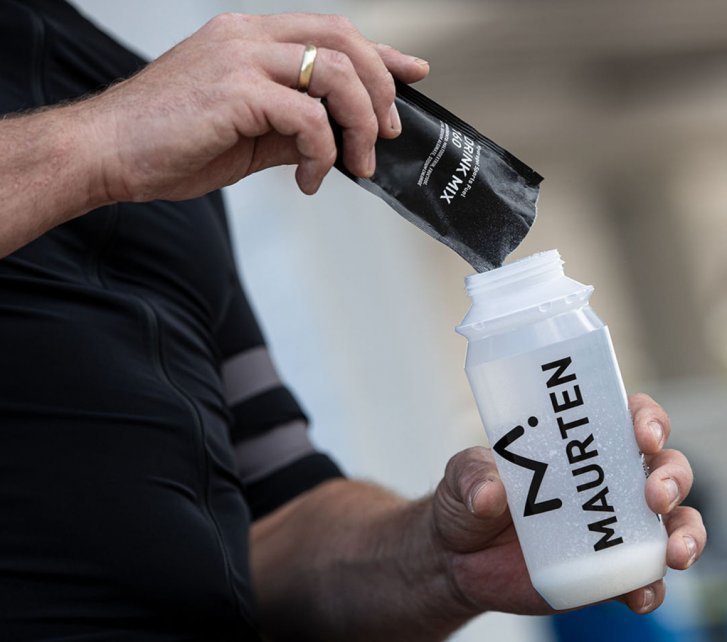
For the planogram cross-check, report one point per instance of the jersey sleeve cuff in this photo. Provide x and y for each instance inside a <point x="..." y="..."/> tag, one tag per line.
<point x="265" y="495"/>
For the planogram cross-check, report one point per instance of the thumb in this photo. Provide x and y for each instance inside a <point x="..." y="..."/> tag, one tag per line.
<point x="470" y="506"/>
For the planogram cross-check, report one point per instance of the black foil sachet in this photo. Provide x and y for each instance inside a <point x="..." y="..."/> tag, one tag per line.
<point x="458" y="186"/>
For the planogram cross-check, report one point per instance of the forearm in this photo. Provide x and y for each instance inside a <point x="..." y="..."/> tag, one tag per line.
<point x="352" y="561"/>
<point x="49" y="173"/>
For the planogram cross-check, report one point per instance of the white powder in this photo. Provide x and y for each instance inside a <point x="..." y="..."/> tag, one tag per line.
<point x="598" y="577"/>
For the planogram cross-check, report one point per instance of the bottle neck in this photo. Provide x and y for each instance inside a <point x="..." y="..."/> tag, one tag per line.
<point x="528" y="272"/>
<point x="522" y="292"/>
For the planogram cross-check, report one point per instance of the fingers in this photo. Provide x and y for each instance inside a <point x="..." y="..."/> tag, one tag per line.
<point x="646" y="599"/>
<point x="669" y="482"/>
<point x="472" y="479"/>
<point x="335" y="79"/>
<point x="687" y="537"/>
<point x="352" y="74"/>
<point x="406" y="68"/>
<point x="291" y="113"/>
<point x="651" y="423"/>
<point x="337" y="33"/>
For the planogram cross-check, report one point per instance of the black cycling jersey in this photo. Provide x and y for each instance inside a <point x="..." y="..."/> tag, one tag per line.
<point x="141" y="420"/>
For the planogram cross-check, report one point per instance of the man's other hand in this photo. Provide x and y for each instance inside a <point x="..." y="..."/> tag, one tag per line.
<point x="474" y="532"/>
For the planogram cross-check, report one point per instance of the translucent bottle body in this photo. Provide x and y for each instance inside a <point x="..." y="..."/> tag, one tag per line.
<point x="544" y="374"/>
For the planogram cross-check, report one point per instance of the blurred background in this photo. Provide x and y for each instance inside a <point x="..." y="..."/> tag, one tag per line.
<point x="622" y="106"/>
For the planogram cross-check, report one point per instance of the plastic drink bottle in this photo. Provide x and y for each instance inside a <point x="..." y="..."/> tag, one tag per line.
<point x="544" y="375"/>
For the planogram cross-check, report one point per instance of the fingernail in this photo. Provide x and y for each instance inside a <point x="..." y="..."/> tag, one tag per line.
<point x="473" y="495"/>
<point x="672" y="491"/>
<point x="395" y="121"/>
<point x="691" y="548"/>
<point x="419" y="61"/>
<point x="371" y="163"/>
<point x="657" y="431"/>
<point x="649" y="597"/>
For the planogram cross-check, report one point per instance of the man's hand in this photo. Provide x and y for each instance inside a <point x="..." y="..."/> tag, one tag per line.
<point x="219" y="106"/>
<point x="355" y="561"/>
<point x="474" y="530"/>
<point x="223" y="104"/>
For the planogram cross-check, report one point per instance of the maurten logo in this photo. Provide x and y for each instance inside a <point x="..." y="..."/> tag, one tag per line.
<point x="532" y="505"/>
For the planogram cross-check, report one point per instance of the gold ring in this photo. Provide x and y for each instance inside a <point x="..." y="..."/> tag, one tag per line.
<point x="306" y="67"/>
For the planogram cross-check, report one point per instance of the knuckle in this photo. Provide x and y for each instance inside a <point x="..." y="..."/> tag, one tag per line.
<point x="223" y="20"/>
<point x="387" y="89"/>
<point x="342" y="24"/>
<point x="332" y="155"/>
<point x="677" y="457"/>
<point x="371" y="128"/>
<point x="690" y="516"/>
<point x="700" y="520"/>
<point x="472" y="468"/>
<point x="248" y="19"/>
<point x="228" y="21"/>
<point x="680" y="477"/>
<point x="474" y="454"/>
<point x="325" y="147"/>
<point x="455" y="465"/>
<point x="346" y="24"/>
<point x="641" y="399"/>
<point x="339" y="62"/>
<point x="317" y="116"/>
<point x="674" y="460"/>
<point x="474" y="472"/>
<point x="685" y="486"/>
<point x="684" y="461"/>
<point x="449" y="468"/>
<point x="465" y="464"/>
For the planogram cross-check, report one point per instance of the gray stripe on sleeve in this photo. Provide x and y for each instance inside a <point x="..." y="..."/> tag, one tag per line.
<point x="263" y="454"/>
<point x="248" y="374"/>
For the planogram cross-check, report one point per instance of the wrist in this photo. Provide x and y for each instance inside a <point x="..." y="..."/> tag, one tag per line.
<point x="434" y="567"/>
<point x="83" y="133"/>
<point x="49" y="174"/>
